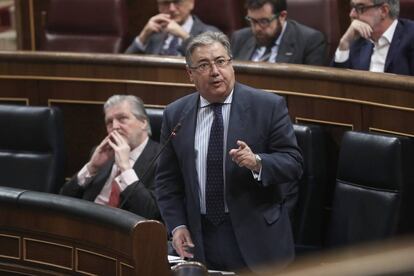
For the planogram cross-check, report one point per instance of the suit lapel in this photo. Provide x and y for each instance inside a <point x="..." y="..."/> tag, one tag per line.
<point x="247" y="50"/>
<point x="393" y="50"/>
<point x="287" y="45"/>
<point x="141" y="164"/>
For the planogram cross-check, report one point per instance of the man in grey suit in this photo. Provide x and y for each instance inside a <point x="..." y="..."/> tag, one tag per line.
<point x="272" y="37"/>
<point x="167" y="32"/>
<point x="116" y="169"/>
<point x="222" y="182"/>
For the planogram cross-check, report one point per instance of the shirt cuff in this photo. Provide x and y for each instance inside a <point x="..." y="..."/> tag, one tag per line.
<point x="257" y="176"/>
<point x="341" y="56"/>
<point x="139" y="44"/>
<point x="84" y="176"/>
<point x="126" y="178"/>
<point x="178" y="227"/>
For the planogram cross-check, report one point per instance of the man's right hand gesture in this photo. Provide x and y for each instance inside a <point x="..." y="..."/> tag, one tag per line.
<point x="155" y="24"/>
<point x="101" y="155"/>
<point x="356" y="30"/>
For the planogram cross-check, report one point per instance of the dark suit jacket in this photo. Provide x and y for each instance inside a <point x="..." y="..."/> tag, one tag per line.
<point x="300" y="45"/>
<point x="142" y="202"/>
<point x="156" y="41"/>
<point x="260" y="219"/>
<point x="400" y="58"/>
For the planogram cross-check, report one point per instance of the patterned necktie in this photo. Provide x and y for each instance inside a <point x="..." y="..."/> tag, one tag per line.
<point x="115" y="192"/>
<point x="266" y="55"/>
<point x="172" y="49"/>
<point x="215" y="178"/>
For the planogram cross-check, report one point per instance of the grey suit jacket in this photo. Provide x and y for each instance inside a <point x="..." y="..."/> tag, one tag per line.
<point x="156" y="41"/>
<point x="141" y="202"/>
<point x="257" y="210"/>
<point x="300" y="44"/>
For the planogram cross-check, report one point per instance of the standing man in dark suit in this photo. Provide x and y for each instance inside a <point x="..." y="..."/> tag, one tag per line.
<point x="167" y="32"/>
<point x="222" y="182"/>
<point x="118" y="162"/>
<point x="377" y="40"/>
<point x="272" y="37"/>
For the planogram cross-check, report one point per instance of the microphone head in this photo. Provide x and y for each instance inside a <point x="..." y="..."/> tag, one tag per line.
<point x="176" y="128"/>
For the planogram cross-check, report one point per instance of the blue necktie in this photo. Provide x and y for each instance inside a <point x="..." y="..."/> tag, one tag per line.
<point x="215" y="178"/>
<point x="172" y="49"/>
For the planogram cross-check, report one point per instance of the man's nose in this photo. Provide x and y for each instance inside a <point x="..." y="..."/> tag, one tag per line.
<point x="172" y="6"/>
<point x="353" y="14"/>
<point x="115" y="124"/>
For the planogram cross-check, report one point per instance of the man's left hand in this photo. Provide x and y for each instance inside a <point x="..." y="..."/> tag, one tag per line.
<point x="244" y="157"/>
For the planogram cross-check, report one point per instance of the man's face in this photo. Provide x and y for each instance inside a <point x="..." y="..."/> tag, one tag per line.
<point x="216" y="81"/>
<point x="366" y="11"/>
<point x="179" y="10"/>
<point x="266" y="25"/>
<point x="120" y="118"/>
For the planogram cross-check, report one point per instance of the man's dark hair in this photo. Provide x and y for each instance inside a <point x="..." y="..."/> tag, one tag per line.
<point x="278" y="5"/>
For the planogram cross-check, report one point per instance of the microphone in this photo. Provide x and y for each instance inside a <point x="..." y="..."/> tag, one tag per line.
<point x="173" y="133"/>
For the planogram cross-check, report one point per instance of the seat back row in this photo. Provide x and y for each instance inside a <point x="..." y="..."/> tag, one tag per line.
<point x="371" y="198"/>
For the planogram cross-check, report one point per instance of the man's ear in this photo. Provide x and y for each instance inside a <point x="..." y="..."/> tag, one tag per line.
<point x="191" y="3"/>
<point x="283" y="15"/>
<point x="189" y="72"/>
<point x="385" y="11"/>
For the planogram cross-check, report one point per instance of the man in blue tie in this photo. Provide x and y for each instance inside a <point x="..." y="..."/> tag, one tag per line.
<point x="223" y="182"/>
<point x="167" y="32"/>
<point x="377" y="40"/>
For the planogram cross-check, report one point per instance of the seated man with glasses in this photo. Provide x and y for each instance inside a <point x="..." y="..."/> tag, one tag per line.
<point x="272" y="37"/>
<point x="377" y="40"/>
<point x="167" y="32"/>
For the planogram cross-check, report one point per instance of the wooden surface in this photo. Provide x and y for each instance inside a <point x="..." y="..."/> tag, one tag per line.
<point x="38" y="238"/>
<point x="80" y="83"/>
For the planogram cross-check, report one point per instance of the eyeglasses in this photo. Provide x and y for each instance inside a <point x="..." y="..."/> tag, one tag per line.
<point x="207" y="66"/>
<point x="169" y="2"/>
<point x="262" y="22"/>
<point x="360" y="8"/>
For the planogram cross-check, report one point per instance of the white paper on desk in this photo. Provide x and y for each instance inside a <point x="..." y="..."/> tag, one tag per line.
<point x="175" y="259"/>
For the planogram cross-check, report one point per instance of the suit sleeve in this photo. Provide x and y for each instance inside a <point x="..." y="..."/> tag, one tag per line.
<point x="315" y="52"/>
<point x="282" y="165"/>
<point x="72" y="188"/>
<point x="142" y="200"/>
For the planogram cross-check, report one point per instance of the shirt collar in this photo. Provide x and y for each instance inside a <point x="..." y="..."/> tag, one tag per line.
<point x="228" y="100"/>
<point x="135" y="153"/>
<point x="387" y="36"/>
<point x="188" y="24"/>
<point x="277" y="42"/>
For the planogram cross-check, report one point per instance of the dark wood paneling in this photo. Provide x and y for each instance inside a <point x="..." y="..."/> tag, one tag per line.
<point x="96" y="264"/>
<point x="10" y="246"/>
<point x="47" y="253"/>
